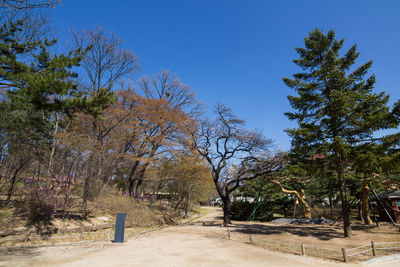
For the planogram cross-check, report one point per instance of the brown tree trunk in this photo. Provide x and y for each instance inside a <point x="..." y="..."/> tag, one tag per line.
<point x="88" y="181"/>
<point x="345" y="209"/>
<point x="178" y="203"/>
<point x="227" y="210"/>
<point x="138" y="187"/>
<point x="186" y="208"/>
<point x="86" y="191"/>
<point x="139" y="177"/>
<point x="12" y="184"/>
<point x="365" y="211"/>
<point x="13" y="181"/>
<point x="300" y="198"/>
<point x="131" y="179"/>
<point x="345" y="206"/>
<point x="53" y="144"/>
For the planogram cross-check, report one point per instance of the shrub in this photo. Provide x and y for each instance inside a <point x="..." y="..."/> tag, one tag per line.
<point x="45" y="197"/>
<point x="264" y="212"/>
<point x="38" y="210"/>
<point x="241" y="211"/>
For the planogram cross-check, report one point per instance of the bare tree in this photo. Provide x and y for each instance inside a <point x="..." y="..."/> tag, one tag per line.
<point x="233" y="153"/>
<point x="29" y="16"/>
<point x="33" y="23"/>
<point x="157" y="122"/>
<point x="106" y="62"/>
<point x="28" y="4"/>
<point x="168" y="87"/>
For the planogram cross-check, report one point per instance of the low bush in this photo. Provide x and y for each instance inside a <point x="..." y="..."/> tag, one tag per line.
<point x="241" y="211"/>
<point x="46" y="197"/>
<point x="38" y="210"/>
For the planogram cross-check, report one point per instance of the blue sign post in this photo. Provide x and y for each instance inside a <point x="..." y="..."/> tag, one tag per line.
<point x="119" y="228"/>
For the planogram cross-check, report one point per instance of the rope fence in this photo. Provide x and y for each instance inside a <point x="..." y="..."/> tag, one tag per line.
<point x="344" y="254"/>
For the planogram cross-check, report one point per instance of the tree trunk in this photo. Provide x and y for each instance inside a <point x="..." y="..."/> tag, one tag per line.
<point x="130" y="187"/>
<point x="187" y="203"/>
<point x="131" y="179"/>
<point x="178" y="203"/>
<point x="86" y="191"/>
<point x="345" y="209"/>
<point x="139" y="177"/>
<point x="343" y="197"/>
<point x="12" y="184"/>
<point x="87" y="182"/>
<point x="53" y="144"/>
<point x="227" y="210"/>
<point x="365" y="211"/>
<point x="13" y="181"/>
<point x="300" y="198"/>
<point x="138" y="187"/>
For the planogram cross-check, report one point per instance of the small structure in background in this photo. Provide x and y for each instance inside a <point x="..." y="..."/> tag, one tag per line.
<point x="119" y="228"/>
<point x="217" y="201"/>
<point x="392" y="205"/>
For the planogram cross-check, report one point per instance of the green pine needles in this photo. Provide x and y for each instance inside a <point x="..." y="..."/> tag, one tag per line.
<point x="335" y="106"/>
<point x="34" y="79"/>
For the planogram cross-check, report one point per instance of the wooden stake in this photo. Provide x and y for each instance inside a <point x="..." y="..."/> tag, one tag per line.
<point x="373" y="248"/>
<point x="344" y="254"/>
<point x="251" y="239"/>
<point x="229" y="233"/>
<point x="303" y="249"/>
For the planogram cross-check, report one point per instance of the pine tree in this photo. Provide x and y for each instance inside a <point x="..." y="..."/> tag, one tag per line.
<point x="35" y="84"/>
<point x="335" y="108"/>
<point x="34" y="79"/>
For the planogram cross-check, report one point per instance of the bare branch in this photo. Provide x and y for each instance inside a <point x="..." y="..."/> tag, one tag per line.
<point x="106" y="62"/>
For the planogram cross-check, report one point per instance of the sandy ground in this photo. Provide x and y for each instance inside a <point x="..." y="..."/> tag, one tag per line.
<point x="194" y="244"/>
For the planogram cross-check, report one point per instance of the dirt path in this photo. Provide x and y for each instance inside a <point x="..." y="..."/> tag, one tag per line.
<point x="188" y="245"/>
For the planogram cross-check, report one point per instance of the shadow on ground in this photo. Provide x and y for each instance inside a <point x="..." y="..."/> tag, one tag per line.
<point x="322" y="233"/>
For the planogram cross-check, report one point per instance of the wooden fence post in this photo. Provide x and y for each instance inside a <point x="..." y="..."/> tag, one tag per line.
<point x="303" y="249"/>
<point x="344" y="255"/>
<point x="373" y="248"/>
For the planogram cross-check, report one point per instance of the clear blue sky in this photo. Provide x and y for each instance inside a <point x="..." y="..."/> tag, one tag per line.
<point x="236" y="52"/>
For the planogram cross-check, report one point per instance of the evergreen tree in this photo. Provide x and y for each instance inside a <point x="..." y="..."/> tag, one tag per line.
<point x="33" y="79"/>
<point x="35" y="84"/>
<point x="335" y="108"/>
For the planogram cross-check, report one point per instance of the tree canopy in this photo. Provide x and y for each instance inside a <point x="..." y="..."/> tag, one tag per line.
<point x="335" y="106"/>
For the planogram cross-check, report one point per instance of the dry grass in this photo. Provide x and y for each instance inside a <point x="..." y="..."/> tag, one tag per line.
<point x="139" y="214"/>
<point x="95" y="224"/>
